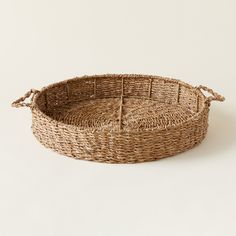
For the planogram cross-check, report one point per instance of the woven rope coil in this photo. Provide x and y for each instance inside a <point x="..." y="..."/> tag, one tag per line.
<point x="119" y="118"/>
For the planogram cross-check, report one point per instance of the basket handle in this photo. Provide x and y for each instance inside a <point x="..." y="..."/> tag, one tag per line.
<point x="21" y="101"/>
<point x="215" y="96"/>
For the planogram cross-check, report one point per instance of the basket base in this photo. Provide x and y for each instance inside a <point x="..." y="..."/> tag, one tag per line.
<point x="104" y="114"/>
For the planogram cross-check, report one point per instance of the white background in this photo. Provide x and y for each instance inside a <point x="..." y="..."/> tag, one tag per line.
<point x="45" y="194"/>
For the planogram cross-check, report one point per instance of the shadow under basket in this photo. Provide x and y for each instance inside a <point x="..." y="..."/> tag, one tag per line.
<point x="119" y="118"/>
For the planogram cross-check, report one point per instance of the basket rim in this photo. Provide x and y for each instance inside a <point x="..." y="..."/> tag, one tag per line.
<point x="36" y="108"/>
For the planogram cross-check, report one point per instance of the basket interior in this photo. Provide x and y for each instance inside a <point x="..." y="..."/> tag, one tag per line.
<point x="120" y="102"/>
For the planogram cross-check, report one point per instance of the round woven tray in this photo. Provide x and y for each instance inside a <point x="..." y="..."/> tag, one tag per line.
<point x="119" y="118"/>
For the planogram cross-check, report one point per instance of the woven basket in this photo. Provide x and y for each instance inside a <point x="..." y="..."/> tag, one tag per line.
<point x="119" y="118"/>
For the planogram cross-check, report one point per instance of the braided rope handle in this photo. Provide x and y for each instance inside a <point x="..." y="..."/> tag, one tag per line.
<point x="215" y="96"/>
<point x="21" y="101"/>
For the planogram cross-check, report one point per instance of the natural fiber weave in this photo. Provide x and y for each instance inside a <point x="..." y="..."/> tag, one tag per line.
<point x="119" y="118"/>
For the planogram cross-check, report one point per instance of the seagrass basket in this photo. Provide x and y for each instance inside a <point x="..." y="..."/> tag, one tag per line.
<point x="119" y="118"/>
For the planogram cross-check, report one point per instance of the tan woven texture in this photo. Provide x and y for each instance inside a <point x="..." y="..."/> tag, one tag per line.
<point x="119" y="118"/>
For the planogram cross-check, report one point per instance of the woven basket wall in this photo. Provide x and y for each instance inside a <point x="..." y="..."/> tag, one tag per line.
<point x="119" y="118"/>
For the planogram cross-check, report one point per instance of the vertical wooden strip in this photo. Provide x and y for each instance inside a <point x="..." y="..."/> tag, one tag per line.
<point x="121" y="103"/>
<point x="67" y="91"/>
<point x="150" y="88"/>
<point x="120" y="113"/>
<point x="178" y="93"/>
<point x="122" y="87"/>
